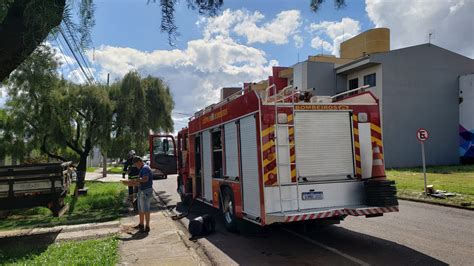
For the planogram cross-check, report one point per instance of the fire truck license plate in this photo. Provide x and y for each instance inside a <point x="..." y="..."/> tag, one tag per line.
<point x="312" y="195"/>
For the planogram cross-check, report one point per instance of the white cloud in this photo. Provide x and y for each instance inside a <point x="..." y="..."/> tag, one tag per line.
<point x="222" y="24"/>
<point x="77" y="76"/>
<point x="194" y="74"/>
<point x="298" y="39"/>
<point x="276" y="31"/>
<point x="336" y="31"/>
<point x="410" y="22"/>
<point x="317" y="43"/>
<point x="245" y="24"/>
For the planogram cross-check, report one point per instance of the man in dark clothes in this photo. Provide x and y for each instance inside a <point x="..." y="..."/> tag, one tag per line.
<point x="132" y="172"/>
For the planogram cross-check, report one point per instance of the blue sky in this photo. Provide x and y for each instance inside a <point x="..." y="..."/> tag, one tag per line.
<point x="136" y="25"/>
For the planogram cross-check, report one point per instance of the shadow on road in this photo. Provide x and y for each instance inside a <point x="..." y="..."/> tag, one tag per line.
<point x="274" y="245"/>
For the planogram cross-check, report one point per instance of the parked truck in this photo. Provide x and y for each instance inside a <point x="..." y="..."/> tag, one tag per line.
<point x="33" y="185"/>
<point x="281" y="156"/>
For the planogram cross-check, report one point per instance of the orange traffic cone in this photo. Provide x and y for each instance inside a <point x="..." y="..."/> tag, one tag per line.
<point x="378" y="169"/>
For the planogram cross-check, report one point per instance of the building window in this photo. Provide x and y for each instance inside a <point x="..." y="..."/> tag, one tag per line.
<point x="370" y="80"/>
<point x="353" y="84"/>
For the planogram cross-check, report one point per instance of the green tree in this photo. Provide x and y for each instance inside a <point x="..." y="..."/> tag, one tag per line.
<point x="142" y="105"/>
<point x="62" y="120"/>
<point x="48" y="115"/>
<point x="24" y="24"/>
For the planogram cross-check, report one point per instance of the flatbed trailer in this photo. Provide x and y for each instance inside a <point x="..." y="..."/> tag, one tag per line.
<point x="33" y="185"/>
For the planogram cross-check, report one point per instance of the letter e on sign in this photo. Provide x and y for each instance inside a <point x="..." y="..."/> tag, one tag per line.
<point x="422" y="135"/>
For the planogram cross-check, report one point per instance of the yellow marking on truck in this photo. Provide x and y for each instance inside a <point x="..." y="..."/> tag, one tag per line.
<point x="376" y="140"/>
<point x="267" y="145"/>
<point x="267" y="131"/>
<point x="267" y="162"/>
<point x="375" y="128"/>
<point x="356" y="131"/>
<point x="265" y="176"/>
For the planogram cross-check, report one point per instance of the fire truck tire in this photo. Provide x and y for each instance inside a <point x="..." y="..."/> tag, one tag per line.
<point x="381" y="192"/>
<point x="228" y="210"/>
<point x="381" y="189"/>
<point x="379" y="183"/>
<point x="382" y="202"/>
<point x="380" y="195"/>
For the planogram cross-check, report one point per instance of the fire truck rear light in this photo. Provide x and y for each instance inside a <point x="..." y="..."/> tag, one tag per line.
<point x="282" y="118"/>
<point x="363" y="117"/>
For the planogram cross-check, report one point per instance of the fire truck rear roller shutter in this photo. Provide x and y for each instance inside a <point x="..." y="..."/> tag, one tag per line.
<point x="324" y="145"/>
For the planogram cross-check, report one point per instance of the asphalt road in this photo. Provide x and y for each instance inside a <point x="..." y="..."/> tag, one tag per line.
<point x="419" y="234"/>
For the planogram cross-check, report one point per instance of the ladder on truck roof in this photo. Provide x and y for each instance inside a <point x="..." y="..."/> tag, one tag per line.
<point x="280" y="102"/>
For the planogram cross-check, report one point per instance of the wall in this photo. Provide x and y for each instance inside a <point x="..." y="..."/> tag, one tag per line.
<point x="377" y="89"/>
<point x="95" y="158"/>
<point x="368" y="42"/>
<point x="299" y="72"/>
<point x="420" y="89"/>
<point x="319" y="75"/>
<point x="466" y="118"/>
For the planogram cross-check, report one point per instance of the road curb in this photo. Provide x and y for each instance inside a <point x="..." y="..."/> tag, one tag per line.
<point x="59" y="229"/>
<point x="206" y="247"/>
<point x="435" y="203"/>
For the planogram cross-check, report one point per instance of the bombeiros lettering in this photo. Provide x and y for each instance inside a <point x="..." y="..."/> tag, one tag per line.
<point x="321" y="107"/>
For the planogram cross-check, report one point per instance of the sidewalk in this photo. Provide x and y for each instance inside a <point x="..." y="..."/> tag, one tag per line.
<point x="165" y="244"/>
<point x="97" y="176"/>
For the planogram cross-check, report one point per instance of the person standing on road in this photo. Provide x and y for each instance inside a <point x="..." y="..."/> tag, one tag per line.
<point x="144" y="182"/>
<point x="132" y="171"/>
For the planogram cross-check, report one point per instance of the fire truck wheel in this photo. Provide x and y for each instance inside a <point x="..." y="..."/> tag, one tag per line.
<point x="228" y="209"/>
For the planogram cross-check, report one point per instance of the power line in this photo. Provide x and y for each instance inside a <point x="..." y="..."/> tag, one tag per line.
<point x="64" y="54"/>
<point x="86" y="62"/>
<point x="75" y="56"/>
<point x="179" y="113"/>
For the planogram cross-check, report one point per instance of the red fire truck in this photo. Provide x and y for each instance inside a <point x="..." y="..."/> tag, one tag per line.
<point x="280" y="156"/>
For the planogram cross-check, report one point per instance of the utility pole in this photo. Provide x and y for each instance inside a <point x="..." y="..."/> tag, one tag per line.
<point x="104" y="152"/>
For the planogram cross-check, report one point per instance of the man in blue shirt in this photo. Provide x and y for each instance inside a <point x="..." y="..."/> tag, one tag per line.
<point x="144" y="182"/>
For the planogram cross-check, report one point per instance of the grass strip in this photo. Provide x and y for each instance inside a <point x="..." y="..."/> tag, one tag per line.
<point x="457" y="179"/>
<point x="103" y="202"/>
<point x="115" y="170"/>
<point x="88" y="252"/>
